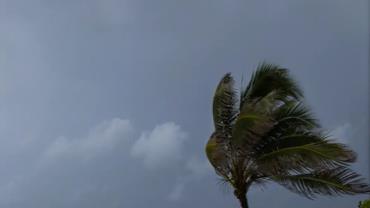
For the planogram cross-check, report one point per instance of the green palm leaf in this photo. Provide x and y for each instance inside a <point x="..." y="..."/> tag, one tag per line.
<point x="332" y="182"/>
<point x="296" y="114"/>
<point x="268" y="78"/>
<point x="224" y="111"/>
<point x="302" y="152"/>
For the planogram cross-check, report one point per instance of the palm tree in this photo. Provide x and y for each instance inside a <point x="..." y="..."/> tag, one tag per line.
<point x="269" y="134"/>
<point x="364" y="204"/>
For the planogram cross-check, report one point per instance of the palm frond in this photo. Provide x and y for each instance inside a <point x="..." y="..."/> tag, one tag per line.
<point x="301" y="152"/>
<point x="249" y="129"/>
<point x="254" y="121"/>
<point x="224" y="109"/>
<point x="291" y="118"/>
<point x="268" y="78"/>
<point x="331" y="182"/>
<point x="295" y="113"/>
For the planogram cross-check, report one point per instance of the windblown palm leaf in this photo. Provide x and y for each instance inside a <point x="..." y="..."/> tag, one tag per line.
<point x="270" y="78"/>
<point x="337" y="181"/>
<point x="224" y="101"/>
<point x="301" y="152"/>
<point x="270" y="134"/>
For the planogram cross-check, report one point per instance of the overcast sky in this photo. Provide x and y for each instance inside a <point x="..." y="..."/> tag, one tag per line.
<point x="107" y="103"/>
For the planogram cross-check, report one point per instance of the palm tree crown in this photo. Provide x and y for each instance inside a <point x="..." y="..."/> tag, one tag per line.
<point x="269" y="134"/>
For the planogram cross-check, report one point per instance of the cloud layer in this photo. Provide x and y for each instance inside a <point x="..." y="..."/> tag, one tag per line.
<point x="92" y="164"/>
<point x="100" y="139"/>
<point x="162" y="145"/>
<point x="342" y="133"/>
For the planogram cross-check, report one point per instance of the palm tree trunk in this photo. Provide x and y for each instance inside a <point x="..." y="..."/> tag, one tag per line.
<point x="242" y="197"/>
<point x="243" y="202"/>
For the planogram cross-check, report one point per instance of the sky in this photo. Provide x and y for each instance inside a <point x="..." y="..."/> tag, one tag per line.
<point x="107" y="103"/>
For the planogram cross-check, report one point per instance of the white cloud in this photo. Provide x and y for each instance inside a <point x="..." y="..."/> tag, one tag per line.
<point x="342" y="133"/>
<point x="177" y="192"/>
<point x="163" y="145"/>
<point x="100" y="139"/>
<point x="160" y="146"/>
<point x="198" y="167"/>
